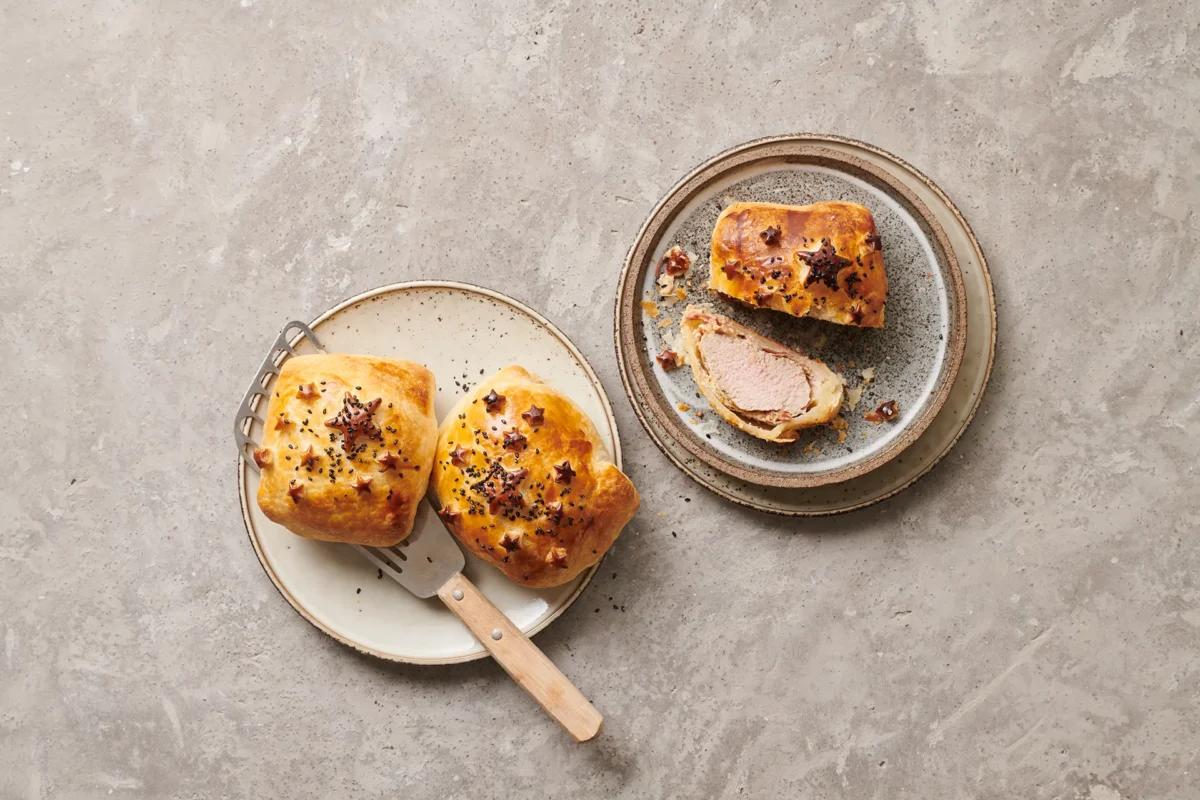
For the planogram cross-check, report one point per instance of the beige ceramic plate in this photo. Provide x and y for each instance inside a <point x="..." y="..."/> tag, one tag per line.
<point x="462" y="333"/>
<point x="961" y="395"/>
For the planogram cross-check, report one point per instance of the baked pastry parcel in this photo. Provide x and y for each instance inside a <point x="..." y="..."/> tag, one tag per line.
<point x="754" y="383"/>
<point x="348" y="447"/>
<point x="523" y="480"/>
<point x="824" y="260"/>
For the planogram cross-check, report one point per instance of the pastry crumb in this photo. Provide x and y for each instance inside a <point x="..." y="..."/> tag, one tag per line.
<point x="668" y="359"/>
<point x="888" y="411"/>
<point x="684" y="407"/>
<point x="650" y="307"/>
<point x="675" y="262"/>
<point x="811" y="449"/>
<point x="853" y="396"/>
<point x="840" y="425"/>
<point x="666" y="322"/>
<point x="666" y="284"/>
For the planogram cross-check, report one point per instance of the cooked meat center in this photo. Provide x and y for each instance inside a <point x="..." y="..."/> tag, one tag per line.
<point x="752" y="378"/>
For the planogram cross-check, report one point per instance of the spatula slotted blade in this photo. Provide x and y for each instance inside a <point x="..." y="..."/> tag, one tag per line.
<point x="424" y="561"/>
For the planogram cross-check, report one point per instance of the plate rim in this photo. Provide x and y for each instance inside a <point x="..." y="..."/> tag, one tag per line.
<point x="634" y="365"/>
<point x="610" y="418"/>
<point x="913" y="173"/>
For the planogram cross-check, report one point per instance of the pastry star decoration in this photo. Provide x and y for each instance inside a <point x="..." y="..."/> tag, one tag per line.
<point x="492" y="401"/>
<point x="563" y="472"/>
<point x="308" y="457"/>
<point x="500" y="487"/>
<point x="355" y="420"/>
<point x="513" y="477"/>
<point x="823" y="264"/>
<point x="535" y="416"/>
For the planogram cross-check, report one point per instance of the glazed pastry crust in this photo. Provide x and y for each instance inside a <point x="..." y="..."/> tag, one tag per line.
<point x="539" y="527"/>
<point x="753" y="264"/>
<point x="334" y="503"/>
<point x="825" y="385"/>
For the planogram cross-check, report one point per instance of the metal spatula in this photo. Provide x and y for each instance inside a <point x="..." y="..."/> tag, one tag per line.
<point x="429" y="563"/>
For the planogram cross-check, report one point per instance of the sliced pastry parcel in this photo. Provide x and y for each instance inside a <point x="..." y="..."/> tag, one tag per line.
<point x="756" y="384"/>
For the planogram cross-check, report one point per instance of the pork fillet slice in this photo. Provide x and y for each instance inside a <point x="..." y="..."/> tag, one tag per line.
<point x="756" y="384"/>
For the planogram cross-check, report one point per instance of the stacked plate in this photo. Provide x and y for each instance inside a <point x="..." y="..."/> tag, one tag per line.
<point x="933" y="356"/>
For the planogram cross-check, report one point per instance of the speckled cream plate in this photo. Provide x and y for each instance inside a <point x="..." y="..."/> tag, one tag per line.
<point x="462" y="333"/>
<point x="936" y="357"/>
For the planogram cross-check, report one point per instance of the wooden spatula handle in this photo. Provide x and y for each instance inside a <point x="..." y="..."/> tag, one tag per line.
<point x="522" y="659"/>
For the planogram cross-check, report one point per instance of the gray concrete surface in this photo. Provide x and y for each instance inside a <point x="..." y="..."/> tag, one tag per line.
<point x="177" y="178"/>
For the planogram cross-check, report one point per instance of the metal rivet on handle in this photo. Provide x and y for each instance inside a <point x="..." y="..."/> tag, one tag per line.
<point x="457" y="594"/>
<point x="497" y="633"/>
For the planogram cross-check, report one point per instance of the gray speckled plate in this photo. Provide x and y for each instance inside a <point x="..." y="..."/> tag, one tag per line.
<point x="961" y="403"/>
<point x="914" y="359"/>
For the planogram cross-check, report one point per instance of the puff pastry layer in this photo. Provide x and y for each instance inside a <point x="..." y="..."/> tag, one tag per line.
<point x="824" y="260"/>
<point x="348" y="447"/>
<point x="524" y="482"/>
<point x="754" y="383"/>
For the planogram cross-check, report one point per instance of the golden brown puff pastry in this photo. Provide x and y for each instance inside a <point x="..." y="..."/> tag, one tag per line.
<point x="348" y="448"/>
<point x="523" y="480"/>
<point x="754" y="383"/>
<point x="824" y="260"/>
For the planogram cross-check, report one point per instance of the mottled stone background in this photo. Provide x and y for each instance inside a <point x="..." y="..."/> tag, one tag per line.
<point x="178" y="178"/>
